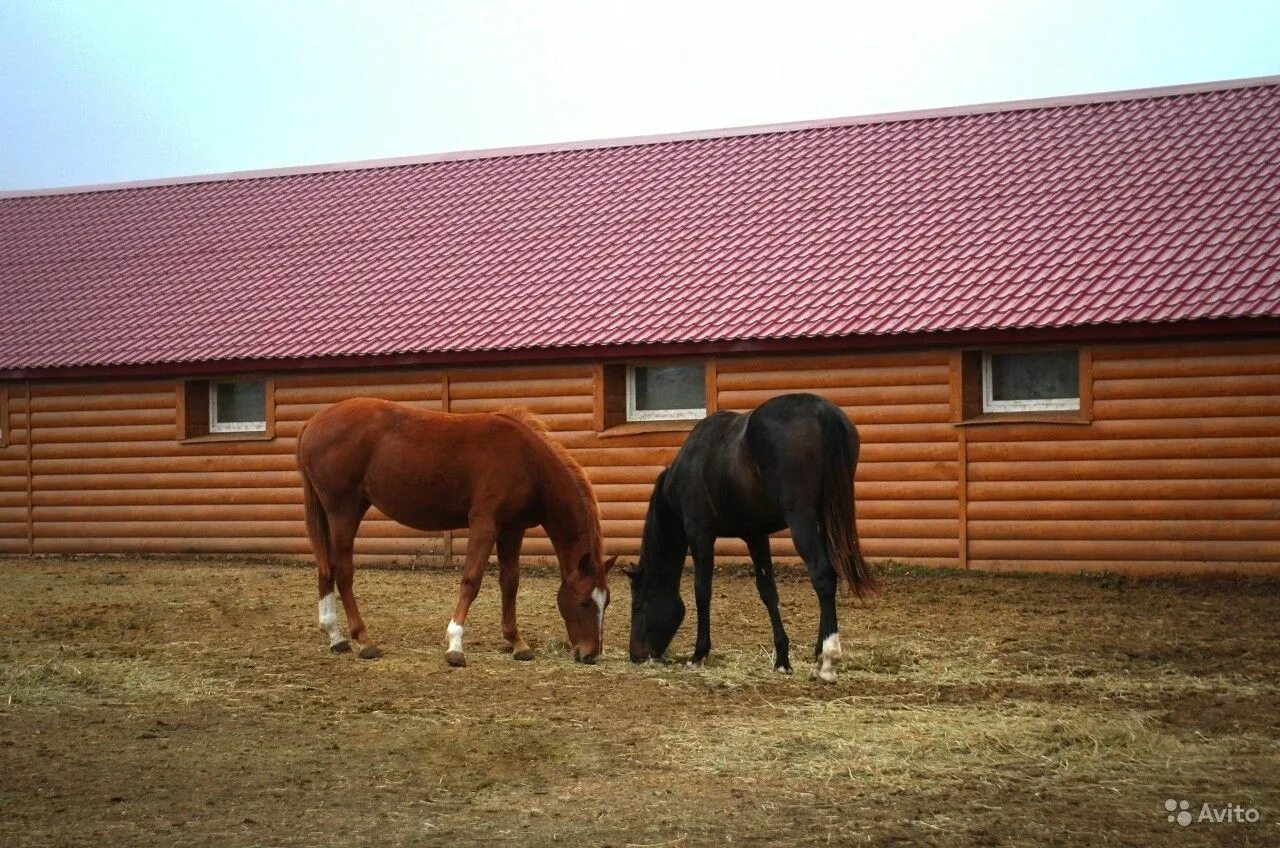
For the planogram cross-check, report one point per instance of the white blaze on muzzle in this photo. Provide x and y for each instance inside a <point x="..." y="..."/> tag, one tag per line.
<point x="601" y="597"/>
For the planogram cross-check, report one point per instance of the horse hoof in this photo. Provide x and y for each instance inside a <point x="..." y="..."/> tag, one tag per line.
<point x="370" y="652"/>
<point x="343" y="647"/>
<point x="455" y="659"/>
<point x="783" y="669"/>
<point x="824" y="675"/>
<point x="694" y="663"/>
<point x="524" y="654"/>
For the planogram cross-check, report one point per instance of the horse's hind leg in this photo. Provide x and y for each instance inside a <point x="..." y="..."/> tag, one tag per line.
<point x="317" y="520"/>
<point x="343" y="532"/>
<point x="813" y="549"/>
<point x="328" y="609"/>
<point x="509" y="542"/>
<point x="768" y="589"/>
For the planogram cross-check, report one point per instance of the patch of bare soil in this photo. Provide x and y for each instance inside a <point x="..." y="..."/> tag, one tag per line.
<point x="170" y="702"/>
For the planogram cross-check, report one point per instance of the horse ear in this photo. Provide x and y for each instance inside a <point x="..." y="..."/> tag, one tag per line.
<point x="610" y="563"/>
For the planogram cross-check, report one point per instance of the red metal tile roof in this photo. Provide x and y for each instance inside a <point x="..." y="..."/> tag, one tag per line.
<point x="1153" y="208"/>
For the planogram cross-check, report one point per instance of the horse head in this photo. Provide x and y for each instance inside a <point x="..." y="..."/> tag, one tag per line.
<point x="583" y="599"/>
<point x="656" y="614"/>
<point x="656" y="607"/>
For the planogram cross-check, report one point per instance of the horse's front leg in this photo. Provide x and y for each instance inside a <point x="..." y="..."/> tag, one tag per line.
<point x="704" y="546"/>
<point x="509" y="542"/>
<point x="480" y="539"/>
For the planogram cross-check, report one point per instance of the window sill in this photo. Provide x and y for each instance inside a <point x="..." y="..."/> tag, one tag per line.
<point x="636" y="428"/>
<point x="1024" y="418"/>
<point x="245" y="436"/>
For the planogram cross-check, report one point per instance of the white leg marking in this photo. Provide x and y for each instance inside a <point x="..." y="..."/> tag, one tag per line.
<point x="602" y="600"/>
<point x="831" y="656"/>
<point x="454" y="632"/>
<point x="328" y="606"/>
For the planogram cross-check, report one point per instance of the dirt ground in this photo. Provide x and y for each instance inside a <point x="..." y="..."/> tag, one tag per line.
<point x="163" y="702"/>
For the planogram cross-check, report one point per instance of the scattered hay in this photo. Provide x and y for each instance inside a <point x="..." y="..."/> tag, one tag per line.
<point x="154" y="703"/>
<point x="71" y="681"/>
<point x="868" y="741"/>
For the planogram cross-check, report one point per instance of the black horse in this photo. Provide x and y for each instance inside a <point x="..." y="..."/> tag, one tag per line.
<point x="788" y="463"/>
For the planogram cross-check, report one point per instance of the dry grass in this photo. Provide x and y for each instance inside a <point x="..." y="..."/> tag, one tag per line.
<point x="55" y="681"/>
<point x="160" y="703"/>
<point x="862" y="740"/>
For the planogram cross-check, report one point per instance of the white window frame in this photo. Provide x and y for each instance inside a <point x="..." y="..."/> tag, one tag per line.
<point x="216" y="426"/>
<point x="634" y="414"/>
<point x="990" y="404"/>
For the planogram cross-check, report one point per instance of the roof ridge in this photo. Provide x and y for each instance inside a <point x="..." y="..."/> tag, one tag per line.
<point x="994" y="107"/>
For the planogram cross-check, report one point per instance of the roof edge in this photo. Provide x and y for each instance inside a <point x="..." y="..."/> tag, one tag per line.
<point x="1128" y="332"/>
<point x="1115" y="96"/>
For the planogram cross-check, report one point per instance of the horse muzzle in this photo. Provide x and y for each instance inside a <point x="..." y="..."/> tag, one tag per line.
<point x="587" y="659"/>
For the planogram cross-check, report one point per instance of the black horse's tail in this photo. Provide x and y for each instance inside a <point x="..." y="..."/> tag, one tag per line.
<point x="838" y="519"/>
<point x="316" y="518"/>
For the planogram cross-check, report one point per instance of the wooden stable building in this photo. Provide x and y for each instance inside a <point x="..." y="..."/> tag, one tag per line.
<point x="1056" y="325"/>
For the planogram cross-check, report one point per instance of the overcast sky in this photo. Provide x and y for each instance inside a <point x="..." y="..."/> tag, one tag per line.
<point x="94" y="92"/>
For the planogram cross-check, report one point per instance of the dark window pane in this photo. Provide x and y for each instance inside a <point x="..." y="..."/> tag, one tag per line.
<point x="240" y="403"/>
<point x="1035" y="376"/>
<point x="670" y="387"/>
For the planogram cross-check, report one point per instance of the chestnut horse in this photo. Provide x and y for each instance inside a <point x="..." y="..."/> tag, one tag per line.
<point x="496" y="474"/>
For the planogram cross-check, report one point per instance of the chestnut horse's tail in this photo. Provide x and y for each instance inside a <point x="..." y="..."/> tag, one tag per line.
<point x="838" y="518"/>
<point x="317" y="520"/>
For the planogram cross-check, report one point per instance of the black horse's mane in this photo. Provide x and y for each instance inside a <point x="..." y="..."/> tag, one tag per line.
<point x="663" y="543"/>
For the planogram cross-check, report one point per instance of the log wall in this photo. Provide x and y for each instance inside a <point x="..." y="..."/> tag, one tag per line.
<point x="15" y="506"/>
<point x="1179" y="470"/>
<point x="907" y="483"/>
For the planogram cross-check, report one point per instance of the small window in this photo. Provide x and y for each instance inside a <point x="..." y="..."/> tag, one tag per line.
<point x="226" y="409"/>
<point x="1031" y="381"/>
<point x="237" y="407"/>
<point x="666" y="392"/>
<point x="658" y="395"/>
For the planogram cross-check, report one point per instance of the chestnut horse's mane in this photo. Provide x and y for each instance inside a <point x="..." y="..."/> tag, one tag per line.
<point x="524" y="416"/>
